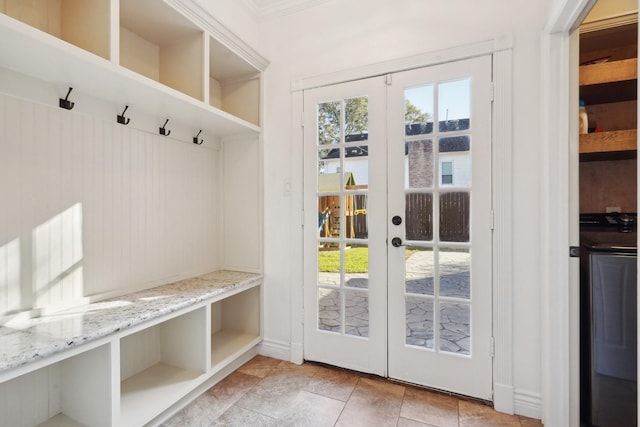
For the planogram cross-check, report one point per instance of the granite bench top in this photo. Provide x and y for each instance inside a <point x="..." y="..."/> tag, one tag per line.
<point x="26" y="341"/>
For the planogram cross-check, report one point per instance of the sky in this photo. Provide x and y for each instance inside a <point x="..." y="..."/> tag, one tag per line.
<point x="453" y="96"/>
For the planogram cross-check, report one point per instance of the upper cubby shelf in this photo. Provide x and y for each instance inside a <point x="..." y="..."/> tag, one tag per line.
<point x="150" y="57"/>
<point x="162" y="45"/>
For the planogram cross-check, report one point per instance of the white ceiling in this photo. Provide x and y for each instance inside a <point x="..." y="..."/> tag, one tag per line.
<point x="265" y="8"/>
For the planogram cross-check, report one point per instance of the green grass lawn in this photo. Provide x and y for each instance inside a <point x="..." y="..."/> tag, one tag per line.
<point x="356" y="260"/>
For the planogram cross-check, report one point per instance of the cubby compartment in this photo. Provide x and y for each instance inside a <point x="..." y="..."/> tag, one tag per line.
<point x="234" y="84"/>
<point x="73" y="392"/>
<point x="83" y="23"/>
<point x="163" y="46"/>
<point x="160" y="364"/>
<point x="235" y="326"/>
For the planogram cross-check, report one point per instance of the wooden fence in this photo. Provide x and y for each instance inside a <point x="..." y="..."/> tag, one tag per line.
<point x="418" y="221"/>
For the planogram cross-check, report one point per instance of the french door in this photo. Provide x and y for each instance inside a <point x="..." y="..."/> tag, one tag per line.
<point x="398" y="226"/>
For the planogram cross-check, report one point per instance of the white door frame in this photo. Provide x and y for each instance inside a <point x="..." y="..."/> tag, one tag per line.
<point x="501" y="49"/>
<point x="560" y="274"/>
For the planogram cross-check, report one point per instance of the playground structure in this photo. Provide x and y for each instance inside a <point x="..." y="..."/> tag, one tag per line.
<point x="330" y="207"/>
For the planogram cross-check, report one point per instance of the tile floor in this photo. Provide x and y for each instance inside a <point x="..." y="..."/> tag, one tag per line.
<point x="270" y="392"/>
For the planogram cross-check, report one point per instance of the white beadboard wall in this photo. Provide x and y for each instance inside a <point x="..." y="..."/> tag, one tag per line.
<point x="89" y="207"/>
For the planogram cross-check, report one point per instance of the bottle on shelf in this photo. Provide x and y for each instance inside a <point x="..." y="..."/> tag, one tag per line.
<point x="584" y="121"/>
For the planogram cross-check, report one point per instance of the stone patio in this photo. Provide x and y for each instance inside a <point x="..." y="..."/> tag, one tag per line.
<point x="454" y="324"/>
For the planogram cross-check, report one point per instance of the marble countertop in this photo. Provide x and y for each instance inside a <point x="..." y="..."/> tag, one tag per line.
<point x="26" y="341"/>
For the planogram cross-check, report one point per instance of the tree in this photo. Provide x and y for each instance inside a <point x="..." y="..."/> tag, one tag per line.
<point x="356" y="117"/>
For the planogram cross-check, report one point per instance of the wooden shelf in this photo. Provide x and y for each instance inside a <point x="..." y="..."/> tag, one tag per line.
<point x="600" y="142"/>
<point x="609" y="72"/>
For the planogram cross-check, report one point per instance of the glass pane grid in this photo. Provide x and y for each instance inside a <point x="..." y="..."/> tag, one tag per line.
<point x="343" y="149"/>
<point x="437" y="197"/>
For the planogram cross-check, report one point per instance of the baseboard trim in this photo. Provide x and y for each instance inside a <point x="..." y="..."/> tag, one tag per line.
<point x="528" y="403"/>
<point x="503" y="398"/>
<point x="276" y="349"/>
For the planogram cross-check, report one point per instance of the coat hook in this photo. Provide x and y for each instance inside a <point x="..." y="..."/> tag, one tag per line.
<point x="121" y="119"/>
<point x="65" y="103"/>
<point x="163" y="131"/>
<point x="195" y="138"/>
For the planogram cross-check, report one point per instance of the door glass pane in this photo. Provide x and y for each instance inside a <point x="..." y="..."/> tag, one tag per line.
<point x="455" y="160"/>
<point x="419" y="321"/>
<point x="329" y="167"/>
<point x="356" y="118"/>
<point x="418" y="110"/>
<point x="329" y="264"/>
<point x="455" y="331"/>
<point x="419" y="271"/>
<point x="419" y="164"/>
<point x="329" y="310"/>
<point x="454" y="217"/>
<point x="356" y="167"/>
<point x="329" y="217"/>
<point x="454" y="105"/>
<point x="455" y="273"/>
<point x="356" y="267"/>
<point x="360" y="222"/>
<point x="419" y="216"/>
<point x="356" y="308"/>
<point x="329" y="123"/>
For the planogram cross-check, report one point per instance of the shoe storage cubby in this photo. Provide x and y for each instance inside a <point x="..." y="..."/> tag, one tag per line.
<point x="235" y="326"/>
<point x="83" y="23"/>
<point x="160" y="364"/>
<point x="72" y="392"/>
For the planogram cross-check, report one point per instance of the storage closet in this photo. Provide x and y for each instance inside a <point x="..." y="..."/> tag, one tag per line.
<point x="608" y="87"/>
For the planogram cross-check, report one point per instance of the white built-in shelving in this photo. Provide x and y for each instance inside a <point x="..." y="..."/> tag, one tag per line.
<point x="143" y="53"/>
<point x="140" y="373"/>
<point x="168" y="59"/>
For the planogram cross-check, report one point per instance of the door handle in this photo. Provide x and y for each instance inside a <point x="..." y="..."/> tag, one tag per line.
<point x="396" y="242"/>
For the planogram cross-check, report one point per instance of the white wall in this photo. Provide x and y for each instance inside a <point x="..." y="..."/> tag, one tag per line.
<point x="92" y="208"/>
<point x="344" y="34"/>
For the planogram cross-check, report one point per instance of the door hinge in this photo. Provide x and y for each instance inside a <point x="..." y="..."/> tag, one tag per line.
<point x="493" y="346"/>
<point x="302" y="218"/>
<point x="388" y="79"/>
<point x="302" y="119"/>
<point x="492" y="220"/>
<point x="491" y="91"/>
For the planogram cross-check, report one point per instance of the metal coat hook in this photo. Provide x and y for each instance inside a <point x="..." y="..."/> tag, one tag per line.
<point x="122" y="119"/>
<point x="65" y="103"/>
<point x="195" y="138"/>
<point x="163" y="131"/>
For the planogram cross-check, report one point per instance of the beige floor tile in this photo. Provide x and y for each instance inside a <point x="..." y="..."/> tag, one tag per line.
<point x="372" y="403"/>
<point x="214" y="402"/>
<point x="430" y="407"/>
<point x="312" y="410"/>
<point x="274" y="394"/>
<point x="330" y="382"/>
<point x="472" y="414"/>
<point x="239" y="417"/>
<point x="529" y="422"/>
<point x="405" y="422"/>
<point x="259" y="366"/>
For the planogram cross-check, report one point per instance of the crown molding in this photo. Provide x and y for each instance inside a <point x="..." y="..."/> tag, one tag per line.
<point x="220" y="32"/>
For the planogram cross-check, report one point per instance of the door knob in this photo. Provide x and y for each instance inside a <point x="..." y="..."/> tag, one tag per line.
<point x="396" y="242"/>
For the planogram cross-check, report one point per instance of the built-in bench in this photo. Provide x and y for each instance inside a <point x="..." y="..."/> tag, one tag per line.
<point x="130" y="360"/>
